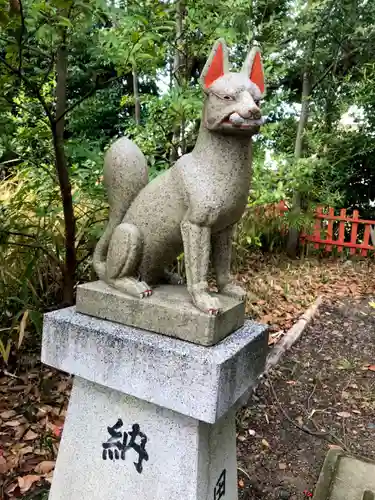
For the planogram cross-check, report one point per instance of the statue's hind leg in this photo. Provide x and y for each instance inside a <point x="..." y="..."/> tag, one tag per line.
<point x="123" y="257"/>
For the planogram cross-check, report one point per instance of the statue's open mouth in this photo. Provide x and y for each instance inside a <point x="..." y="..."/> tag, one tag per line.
<point x="237" y="121"/>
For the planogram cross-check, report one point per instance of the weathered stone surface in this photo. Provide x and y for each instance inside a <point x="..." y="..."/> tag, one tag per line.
<point x="169" y="311"/>
<point x="193" y="206"/>
<point x="200" y="382"/>
<point x="344" y="477"/>
<point x="185" y="457"/>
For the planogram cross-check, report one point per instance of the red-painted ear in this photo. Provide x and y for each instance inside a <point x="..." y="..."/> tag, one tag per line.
<point x="256" y="74"/>
<point x="253" y="67"/>
<point x="216" y="64"/>
<point x="216" y="68"/>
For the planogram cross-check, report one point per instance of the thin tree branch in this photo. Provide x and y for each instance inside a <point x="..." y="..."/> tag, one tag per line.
<point x="85" y="257"/>
<point x="45" y="170"/>
<point x="30" y="49"/>
<point x="318" y="82"/>
<point x="48" y="72"/>
<point x="16" y="233"/>
<point x="23" y="29"/>
<point x="70" y="10"/>
<point x="330" y="67"/>
<point x="95" y="88"/>
<point x="321" y="435"/>
<point x="30" y="86"/>
<point x="36" y="247"/>
<point x="87" y="95"/>
<point x="12" y="103"/>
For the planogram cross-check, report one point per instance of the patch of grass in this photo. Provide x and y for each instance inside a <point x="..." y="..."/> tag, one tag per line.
<point x="345" y="364"/>
<point x="39" y="494"/>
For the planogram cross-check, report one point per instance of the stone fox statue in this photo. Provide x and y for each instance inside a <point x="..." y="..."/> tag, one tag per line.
<point x="192" y="207"/>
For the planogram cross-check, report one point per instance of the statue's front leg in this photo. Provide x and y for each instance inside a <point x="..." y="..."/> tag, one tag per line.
<point x="197" y="246"/>
<point x="222" y="254"/>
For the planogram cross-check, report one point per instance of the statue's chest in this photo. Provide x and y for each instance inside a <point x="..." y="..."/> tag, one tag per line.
<point x="218" y="200"/>
<point x="227" y="204"/>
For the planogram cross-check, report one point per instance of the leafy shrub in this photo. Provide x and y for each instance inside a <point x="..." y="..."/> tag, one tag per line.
<point x="31" y="242"/>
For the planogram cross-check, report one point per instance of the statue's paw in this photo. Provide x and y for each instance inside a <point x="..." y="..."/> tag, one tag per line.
<point x="146" y="291"/>
<point x="235" y="291"/>
<point x="132" y="286"/>
<point x="206" y="303"/>
<point x="142" y="289"/>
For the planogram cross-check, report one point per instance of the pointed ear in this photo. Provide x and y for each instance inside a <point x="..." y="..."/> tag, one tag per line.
<point x="216" y="65"/>
<point x="253" y="67"/>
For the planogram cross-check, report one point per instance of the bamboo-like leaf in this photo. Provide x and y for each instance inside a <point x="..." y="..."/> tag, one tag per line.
<point x="22" y="327"/>
<point x="5" y="351"/>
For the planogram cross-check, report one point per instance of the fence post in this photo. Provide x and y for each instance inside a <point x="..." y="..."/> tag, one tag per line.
<point x="353" y="238"/>
<point x="330" y="229"/>
<point x="317" y="226"/>
<point x="342" y="228"/>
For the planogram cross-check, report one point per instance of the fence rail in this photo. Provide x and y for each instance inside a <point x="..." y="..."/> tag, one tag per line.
<point x="323" y="234"/>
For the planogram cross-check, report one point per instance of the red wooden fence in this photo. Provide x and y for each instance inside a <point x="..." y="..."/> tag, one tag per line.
<point x="322" y="235"/>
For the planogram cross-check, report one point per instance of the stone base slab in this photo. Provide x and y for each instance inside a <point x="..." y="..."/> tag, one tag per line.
<point x="182" y="457"/>
<point x="168" y="311"/>
<point x="196" y="381"/>
<point x="344" y="477"/>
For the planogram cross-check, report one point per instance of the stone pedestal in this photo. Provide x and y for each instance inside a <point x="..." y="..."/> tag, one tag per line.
<point x="150" y="417"/>
<point x="169" y="311"/>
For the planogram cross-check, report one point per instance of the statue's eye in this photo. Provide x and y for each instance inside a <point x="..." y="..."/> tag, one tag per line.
<point x="228" y="97"/>
<point x="257" y="103"/>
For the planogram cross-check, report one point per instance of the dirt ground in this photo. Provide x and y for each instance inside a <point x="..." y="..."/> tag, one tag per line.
<point x="321" y="395"/>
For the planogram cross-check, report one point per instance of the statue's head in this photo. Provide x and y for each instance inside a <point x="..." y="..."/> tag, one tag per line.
<point x="232" y="103"/>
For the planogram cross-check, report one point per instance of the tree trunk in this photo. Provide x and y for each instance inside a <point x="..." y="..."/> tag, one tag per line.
<point x="137" y="103"/>
<point x="58" y="127"/>
<point x="293" y="237"/>
<point x="178" y="76"/>
<point x="14" y="6"/>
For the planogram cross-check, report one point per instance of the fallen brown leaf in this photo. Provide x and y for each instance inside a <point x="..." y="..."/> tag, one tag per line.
<point x="267" y="319"/>
<point x="55" y="429"/>
<point x="30" y="435"/>
<point x="26" y="482"/>
<point x="9" y="489"/>
<point x="13" y="461"/>
<point x="26" y="450"/>
<point x="344" y="414"/>
<point x="19" y="431"/>
<point x="49" y="477"/>
<point x="3" y="465"/>
<point x="8" y="414"/>
<point x="265" y="443"/>
<point x="282" y="466"/>
<point x="371" y="368"/>
<point x="334" y="446"/>
<point x="45" y="467"/>
<point x="11" y="423"/>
